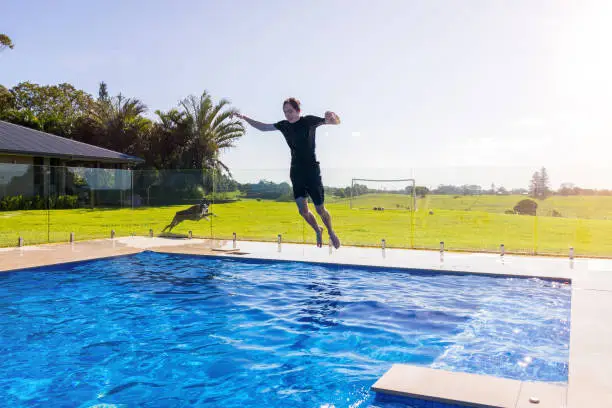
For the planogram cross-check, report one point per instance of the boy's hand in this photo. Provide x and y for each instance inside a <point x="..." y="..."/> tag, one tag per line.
<point x="331" y="118"/>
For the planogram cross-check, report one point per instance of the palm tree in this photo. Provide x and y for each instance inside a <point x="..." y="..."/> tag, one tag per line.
<point x="119" y="125"/>
<point x="168" y="137"/>
<point x="211" y="129"/>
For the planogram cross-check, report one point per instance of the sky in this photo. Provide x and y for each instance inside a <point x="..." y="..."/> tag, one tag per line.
<point x="446" y="92"/>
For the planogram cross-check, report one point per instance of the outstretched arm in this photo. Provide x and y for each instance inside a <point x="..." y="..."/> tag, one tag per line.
<point x="331" y="118"/>
<point x="264" y="127"/>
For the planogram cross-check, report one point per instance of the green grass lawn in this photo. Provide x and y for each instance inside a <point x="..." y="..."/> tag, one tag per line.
<point x="481" y="226"/>
<point x="597" y="207"/>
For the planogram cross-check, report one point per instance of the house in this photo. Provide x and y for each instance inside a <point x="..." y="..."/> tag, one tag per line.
<point x="37" y="163"/>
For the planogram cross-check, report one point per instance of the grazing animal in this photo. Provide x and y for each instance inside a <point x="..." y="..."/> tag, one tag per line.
<point x="193" y="213"/>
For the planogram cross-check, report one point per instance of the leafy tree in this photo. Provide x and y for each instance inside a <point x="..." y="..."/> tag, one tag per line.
<point x="5" y="42"/>
<point x="267" y="190"/>
<point x="167" y="141"/>
<point x="57" y="108"/>
<point x="103" y="92"/>
<point x="117" y="124"/>
<point x="539" y="185"/>
<point x="7" y="100"/>
<point x="567" y="189"/>
<point x="526" y="207"/>
<point x="21" y="117"/>
<point x="544" y="183"/>
<point x="358" y="189"/>
<point x="419" y="190"/>
<point x="534" y="185"/>
<point x="448" y="189"/>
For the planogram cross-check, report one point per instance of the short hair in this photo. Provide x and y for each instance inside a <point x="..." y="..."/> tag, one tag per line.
<point x="295" y="104"/>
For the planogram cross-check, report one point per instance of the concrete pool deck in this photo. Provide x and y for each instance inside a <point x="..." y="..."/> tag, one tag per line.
<point x="590" y="362"/>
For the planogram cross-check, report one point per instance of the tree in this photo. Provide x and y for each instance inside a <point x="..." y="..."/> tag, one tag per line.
<point x="448" y="189"/>
<point x="539" y="185"/>
<point x="211" y="129"/>
<point x="567" y="189"/>
<point x="5" y="42"/>
<point x="534" y="185"/>
<point x="117" y="123"/>
<point x="267" y="190"/>
<point x="7" y="100"/>
<point x="55" y="109"/>
<point x="519" y="191"/>
<point x="471" y="189"/>
<point x="21" y="117"/>
<point x="526" y="207"/>
<point x="358" y="189"/>
<point x="544" y="183"/>
<point x="167" y="141"/>
<point x="103" y="92"/>
<point x="419" y="190"/>
<point x="188" y="137"/>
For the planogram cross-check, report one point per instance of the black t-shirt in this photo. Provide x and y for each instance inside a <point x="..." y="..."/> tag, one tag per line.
<point x="300" y="137"/>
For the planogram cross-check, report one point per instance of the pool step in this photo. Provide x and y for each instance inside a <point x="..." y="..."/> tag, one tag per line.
<point x="470" y="390"/>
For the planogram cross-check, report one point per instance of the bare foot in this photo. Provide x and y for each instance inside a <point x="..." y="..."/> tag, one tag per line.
<point x="334" y="239"/>
<point x="320" y="238"/>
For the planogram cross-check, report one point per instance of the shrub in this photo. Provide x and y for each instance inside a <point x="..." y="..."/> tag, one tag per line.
<point x="13" y="203"/>
<point x="38" y="203"/>
<point x="16" y="203"/>
<point x="66" y="201"/>
<point x="284" y="198"/>
<point x="526" y="207"/>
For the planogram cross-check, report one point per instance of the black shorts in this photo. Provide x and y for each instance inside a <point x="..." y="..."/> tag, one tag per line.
<point x="307" y="181"/>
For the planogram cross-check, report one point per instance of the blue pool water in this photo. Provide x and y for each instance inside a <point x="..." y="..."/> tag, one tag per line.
<point x="157" y="330"/>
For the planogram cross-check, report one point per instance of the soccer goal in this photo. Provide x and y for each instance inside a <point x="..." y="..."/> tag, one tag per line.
<point x="383" y="195"/>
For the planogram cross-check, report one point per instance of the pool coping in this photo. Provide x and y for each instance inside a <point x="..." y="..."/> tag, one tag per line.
<point x="590" y="363"/>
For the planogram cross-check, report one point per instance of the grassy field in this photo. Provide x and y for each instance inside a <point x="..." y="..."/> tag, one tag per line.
<point x="569" y="207"/>
<point x="466" y="223"/>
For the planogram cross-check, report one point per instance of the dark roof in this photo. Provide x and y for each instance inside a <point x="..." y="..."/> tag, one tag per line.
<point x="15" y="139"/>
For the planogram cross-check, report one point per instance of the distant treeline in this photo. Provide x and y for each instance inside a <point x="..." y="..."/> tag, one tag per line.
<point x="265" y="189"/>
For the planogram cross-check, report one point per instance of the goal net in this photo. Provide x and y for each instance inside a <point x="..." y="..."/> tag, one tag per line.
<point x="383" y="195"/>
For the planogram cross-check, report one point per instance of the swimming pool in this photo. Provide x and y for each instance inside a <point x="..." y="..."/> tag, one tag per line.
<point x="173" y="330"/>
